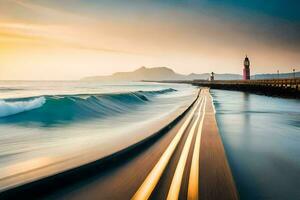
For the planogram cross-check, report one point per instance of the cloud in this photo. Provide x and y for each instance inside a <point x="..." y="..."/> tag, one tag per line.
<point x="38" y="8"/>
<point x="51" y="35"/>
<point x="189" y="36"/>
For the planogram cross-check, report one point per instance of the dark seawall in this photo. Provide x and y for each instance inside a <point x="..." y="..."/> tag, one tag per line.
<point x="257" y="89"/>
<point x="288" y="88"/>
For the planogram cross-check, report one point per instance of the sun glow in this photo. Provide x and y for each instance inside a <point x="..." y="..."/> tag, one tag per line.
<point x="76" y="41"/>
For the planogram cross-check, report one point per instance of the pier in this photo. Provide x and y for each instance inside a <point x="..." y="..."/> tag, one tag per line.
<point x="289" y="88"/>
<point x="276" y="87"/>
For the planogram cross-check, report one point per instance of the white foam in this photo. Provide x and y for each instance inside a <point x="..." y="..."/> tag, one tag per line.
<point x="11" y="108"/>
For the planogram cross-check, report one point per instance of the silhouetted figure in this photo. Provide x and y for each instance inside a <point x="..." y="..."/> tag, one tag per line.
<point x="212" y="76"/>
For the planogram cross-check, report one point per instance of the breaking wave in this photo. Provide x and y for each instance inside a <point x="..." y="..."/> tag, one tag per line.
<point x="10" y="108"/>
<point x="66" y="108"/>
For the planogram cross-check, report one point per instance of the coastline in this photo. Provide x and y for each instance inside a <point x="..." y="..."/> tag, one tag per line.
<point x="215" y="177"/>
<point x="63" y="172"/>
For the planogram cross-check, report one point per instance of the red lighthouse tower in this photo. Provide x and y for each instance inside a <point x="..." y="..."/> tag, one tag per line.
<point x="246" y="70"/>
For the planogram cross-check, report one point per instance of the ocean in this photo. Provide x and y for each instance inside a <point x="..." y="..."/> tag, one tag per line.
<point x="46" y="122"/>
<point x="261" y="136"/>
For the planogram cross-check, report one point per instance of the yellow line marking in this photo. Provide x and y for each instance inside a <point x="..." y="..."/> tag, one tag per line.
<point x="177" y="178"/>
<point x="193" y="187"/>
<point x="153" y="177"/>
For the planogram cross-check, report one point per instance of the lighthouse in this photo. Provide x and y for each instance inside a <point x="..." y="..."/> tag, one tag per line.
<point x="246" y="70"/>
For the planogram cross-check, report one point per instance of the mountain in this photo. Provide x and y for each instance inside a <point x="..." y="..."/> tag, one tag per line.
<point x="164" y="73"/>
<point x="157" y="74"/>
<point x="143" y="73"/>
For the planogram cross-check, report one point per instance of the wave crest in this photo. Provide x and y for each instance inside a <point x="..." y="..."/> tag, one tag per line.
<point x="14" y="107"/>
<point x="49" y="110"/>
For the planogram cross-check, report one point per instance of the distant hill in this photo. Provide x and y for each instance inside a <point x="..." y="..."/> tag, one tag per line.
<point x="158" y="74"/>
<point x="206" y="76"/>
<point x="164" y="73"/>
<point x="143" y="73"/>
<point x="271" y="76"/>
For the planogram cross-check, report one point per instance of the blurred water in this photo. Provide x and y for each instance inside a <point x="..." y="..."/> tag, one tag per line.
<point x="17" y="89"/>
<point x="261" y="136"/>
<point x="46" y="122"/>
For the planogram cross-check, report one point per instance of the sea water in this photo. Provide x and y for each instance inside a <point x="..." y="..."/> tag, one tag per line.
<point x="43" y="122"/>
<point x="261" y="136"/>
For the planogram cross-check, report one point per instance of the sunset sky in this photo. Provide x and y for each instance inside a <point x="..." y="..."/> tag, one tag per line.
<point x="71" y="39"/>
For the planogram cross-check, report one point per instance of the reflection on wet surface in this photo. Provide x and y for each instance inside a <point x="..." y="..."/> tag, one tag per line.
<point x="261" y="136"/>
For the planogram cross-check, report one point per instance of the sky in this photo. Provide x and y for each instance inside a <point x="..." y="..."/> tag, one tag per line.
<point x="71" y="39"/>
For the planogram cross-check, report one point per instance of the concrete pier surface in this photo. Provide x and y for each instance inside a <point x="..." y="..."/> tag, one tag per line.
<point x="186" y="161"/>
